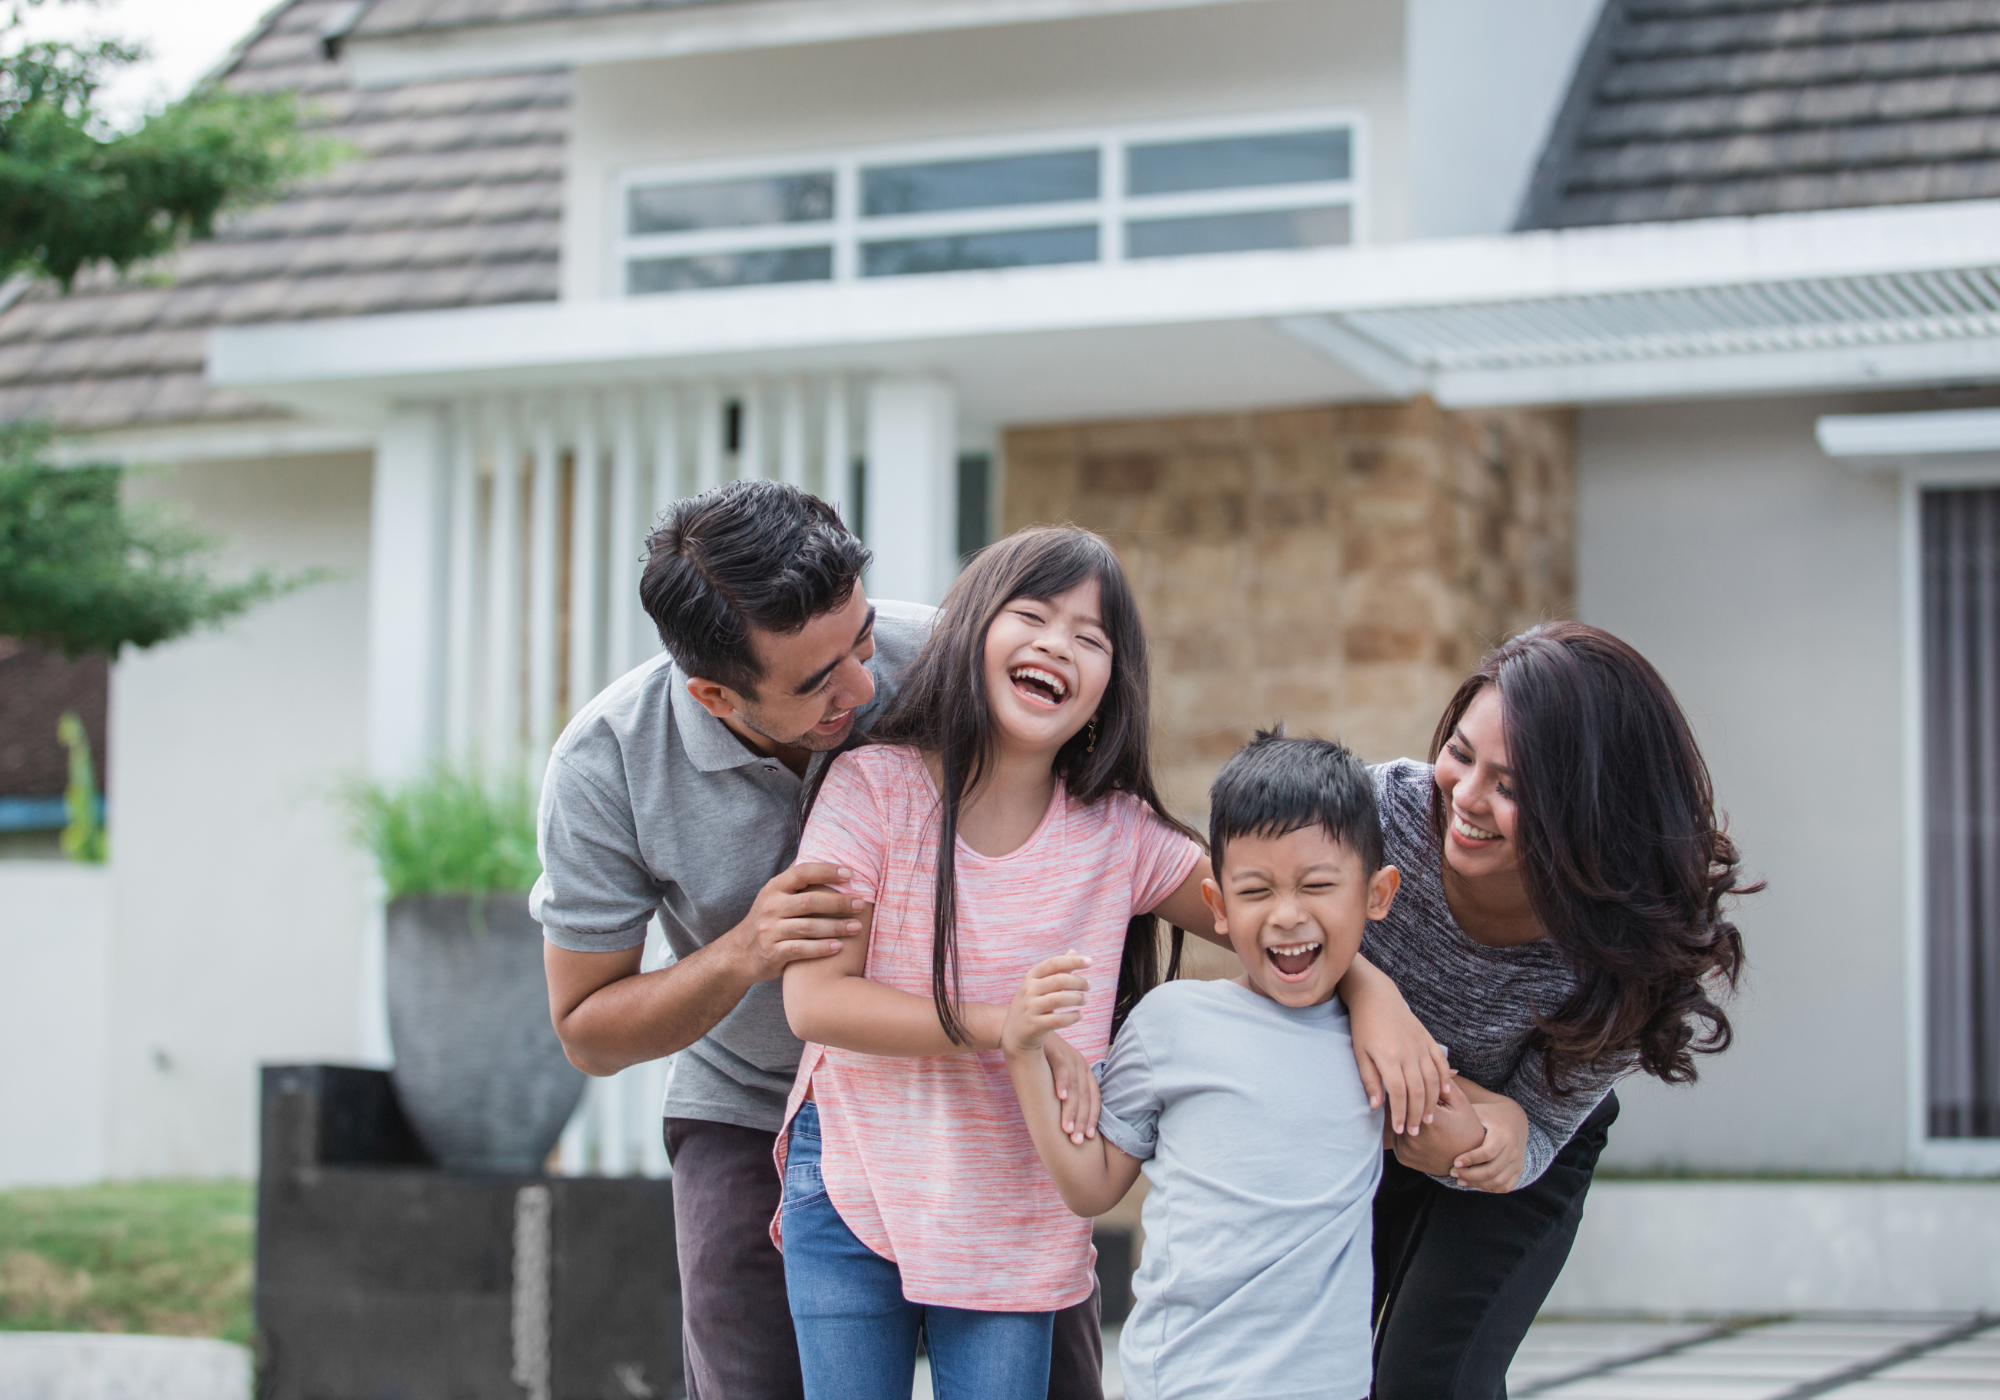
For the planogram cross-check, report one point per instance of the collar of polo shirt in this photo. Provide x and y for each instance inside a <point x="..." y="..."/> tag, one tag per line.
<point x="711" y="745"/>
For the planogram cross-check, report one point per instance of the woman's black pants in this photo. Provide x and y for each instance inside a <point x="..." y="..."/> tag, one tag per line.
<point x="1459" y="1275"/>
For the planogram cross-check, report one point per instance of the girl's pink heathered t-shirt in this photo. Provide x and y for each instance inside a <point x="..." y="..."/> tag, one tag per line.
<point x="927" y="1160"/>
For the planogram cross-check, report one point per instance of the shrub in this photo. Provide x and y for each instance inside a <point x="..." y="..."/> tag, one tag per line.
<point x="450" y="831"/>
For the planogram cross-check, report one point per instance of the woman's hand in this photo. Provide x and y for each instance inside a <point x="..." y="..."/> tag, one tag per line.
<point x="1400" y="1064"/>
<point x="1495" y="1165"/>
<point x="1455" y="1130"/>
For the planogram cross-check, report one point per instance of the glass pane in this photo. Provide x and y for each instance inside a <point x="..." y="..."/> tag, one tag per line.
<point x="729" y="269"/>
<point x="1235" y="162"/>
<point x="960" y="252"/>
<point x="1045" y="178"/>
<point x="1238" y="233"/>
<point x="767" y="199"/>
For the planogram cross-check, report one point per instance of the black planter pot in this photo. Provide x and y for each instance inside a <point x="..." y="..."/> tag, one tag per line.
<point x="479" y="1071"/>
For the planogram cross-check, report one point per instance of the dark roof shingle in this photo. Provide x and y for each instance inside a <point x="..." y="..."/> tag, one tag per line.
<point x="451" y="196"/>
<point x="1687" y="109"/>
<point x="387" y="17"/>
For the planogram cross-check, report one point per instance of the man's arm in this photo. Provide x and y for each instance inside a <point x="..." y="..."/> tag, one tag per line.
<point x="1091" y="1175"/>
<point x="609" y="1015"/>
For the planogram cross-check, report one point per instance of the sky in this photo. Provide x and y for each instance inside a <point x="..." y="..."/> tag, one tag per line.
<point x="187" y="38"/>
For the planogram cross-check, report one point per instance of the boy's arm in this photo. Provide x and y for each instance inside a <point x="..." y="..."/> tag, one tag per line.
<point x="1091" y="1176"/>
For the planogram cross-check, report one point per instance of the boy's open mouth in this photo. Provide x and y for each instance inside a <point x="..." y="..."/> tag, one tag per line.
<point x="1043" y="687"/>
<point x="1293" y="960"/>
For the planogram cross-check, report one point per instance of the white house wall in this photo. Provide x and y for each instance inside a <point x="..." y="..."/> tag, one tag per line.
<point x="1762" y="579"/>
<point x="1226" y="60"/>
<point x="237" y="906"/>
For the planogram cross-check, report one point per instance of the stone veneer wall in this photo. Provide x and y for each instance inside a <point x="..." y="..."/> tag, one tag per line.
<point x="1337" y="568"/>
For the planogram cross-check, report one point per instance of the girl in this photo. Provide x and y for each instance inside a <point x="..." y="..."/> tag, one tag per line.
<point x="1005" y="812"/>
<point x="1560" y="924"/>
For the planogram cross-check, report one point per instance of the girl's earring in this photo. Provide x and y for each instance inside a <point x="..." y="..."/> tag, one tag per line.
<point x="1091" y="747"/>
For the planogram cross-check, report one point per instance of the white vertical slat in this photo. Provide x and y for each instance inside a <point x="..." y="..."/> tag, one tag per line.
<point x="503" y="597"/>
<point x="646" y="1124"/>
<point x="792" y="434"/>
<point x="708" y="464"/>
<point x="668" y="468"/>
<point x="586" y="530"/>
<point x="613" y="1132"/>
<point x="836" y="451"/>
<point x="627" y="539"/>
<point x="576" y="1147"/>
<point x="752" y="455"/>
<point x="462" y="586"/>
<point x="544" y="543"/>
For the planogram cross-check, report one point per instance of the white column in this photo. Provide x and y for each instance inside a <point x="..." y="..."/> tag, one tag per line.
<point x="407" y="541"/>
<point x="792" y="434"/>
<point x="707" y="438"/>
<point x="503" y="598"/>
<point x="621" y="583"/>
<point x="544" y="543"/>
<point x="751" y="455"/>
<point x="586" y="529"/>
<point x="666" y="451"/>
<point x="462" y="592"/>
<point x="912" y="488"/>
<point x="836" y="455"/>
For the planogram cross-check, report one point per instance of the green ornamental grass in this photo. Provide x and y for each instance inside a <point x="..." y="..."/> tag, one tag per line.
<point x="450" y="831"/>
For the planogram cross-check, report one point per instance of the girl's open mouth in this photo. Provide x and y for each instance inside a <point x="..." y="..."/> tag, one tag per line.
<point x="1293" y="960"/>
<point x="1042" y="687"/>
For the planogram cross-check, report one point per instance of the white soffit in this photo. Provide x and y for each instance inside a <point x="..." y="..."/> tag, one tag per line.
<point x="389" y="60"/>
<point x="1709" y="308"/>
<point x="1909" y="434"/>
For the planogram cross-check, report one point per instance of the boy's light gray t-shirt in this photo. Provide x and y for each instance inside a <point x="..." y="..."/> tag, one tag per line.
<point x="1262" y="1156"/>
<point x="652" y="804"/>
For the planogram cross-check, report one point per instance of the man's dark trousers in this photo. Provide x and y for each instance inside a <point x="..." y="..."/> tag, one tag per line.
<point x="736" y="1327"/>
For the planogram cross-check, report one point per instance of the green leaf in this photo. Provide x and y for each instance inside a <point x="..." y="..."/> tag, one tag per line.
<point x="450" y="831"/>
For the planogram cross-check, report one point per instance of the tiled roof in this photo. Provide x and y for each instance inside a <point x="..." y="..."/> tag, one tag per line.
<point x="451" y="196"/>
<point x="1686" y="109"/>
<point x="427" y="16"/>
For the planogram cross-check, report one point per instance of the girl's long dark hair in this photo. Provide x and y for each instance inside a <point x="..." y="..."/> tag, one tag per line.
<point x="941" y="709"/>
<point x="1626" y="864"/>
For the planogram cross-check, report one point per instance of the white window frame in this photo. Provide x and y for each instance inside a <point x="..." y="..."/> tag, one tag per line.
<point x="1927" y="1155"/>
<point x="847" y="230"/>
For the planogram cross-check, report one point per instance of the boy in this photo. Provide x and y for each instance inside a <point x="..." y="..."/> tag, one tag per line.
<point x="1241" y="1102"/>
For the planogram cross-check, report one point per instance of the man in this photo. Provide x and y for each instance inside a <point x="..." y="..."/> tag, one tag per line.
<point x="676" y="791"/>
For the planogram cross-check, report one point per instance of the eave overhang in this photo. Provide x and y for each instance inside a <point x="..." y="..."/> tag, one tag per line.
<point x="1773" y="305"/>
<point x="388" y="59"/>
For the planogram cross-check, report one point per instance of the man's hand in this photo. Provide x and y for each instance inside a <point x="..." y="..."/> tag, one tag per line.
<point x="1495" y="1165"/>
<point x="793" y="918"/>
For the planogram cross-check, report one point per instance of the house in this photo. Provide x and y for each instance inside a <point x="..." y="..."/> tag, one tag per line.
<point x="1370" y="332"/>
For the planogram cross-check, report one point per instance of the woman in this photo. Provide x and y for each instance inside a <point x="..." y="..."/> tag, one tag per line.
<point x="1560" y="925"/>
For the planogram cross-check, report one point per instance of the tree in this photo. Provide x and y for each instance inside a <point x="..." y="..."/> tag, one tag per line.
<point x="82" y="571"/>
<point x="76" y="192"/>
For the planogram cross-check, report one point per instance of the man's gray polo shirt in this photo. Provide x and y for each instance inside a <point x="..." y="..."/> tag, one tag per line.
<point x="652" y="804"/>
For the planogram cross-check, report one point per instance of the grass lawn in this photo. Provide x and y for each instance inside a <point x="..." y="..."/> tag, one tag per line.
<point x="168" y="1257"/>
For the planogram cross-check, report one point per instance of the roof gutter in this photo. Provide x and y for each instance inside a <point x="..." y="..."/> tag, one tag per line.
<point x="395" y="57"/>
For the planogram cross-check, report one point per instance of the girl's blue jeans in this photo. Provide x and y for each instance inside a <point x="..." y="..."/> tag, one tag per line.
<point x="858" y="1334"/>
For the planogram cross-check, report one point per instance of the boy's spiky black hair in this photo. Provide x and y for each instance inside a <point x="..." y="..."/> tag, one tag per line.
<point x="1276" y="785"/>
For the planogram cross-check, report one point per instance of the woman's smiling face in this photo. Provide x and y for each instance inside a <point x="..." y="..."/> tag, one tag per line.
<point x="1048" y="662"/>
<point x="1478" y="788"/>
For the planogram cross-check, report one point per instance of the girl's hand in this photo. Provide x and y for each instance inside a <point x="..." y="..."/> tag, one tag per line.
<point x="1495" y="1165"/>
<point x="1050" y="999"/>
<point x="1076" y="1087"/>
<point x="1400" y="1064"/>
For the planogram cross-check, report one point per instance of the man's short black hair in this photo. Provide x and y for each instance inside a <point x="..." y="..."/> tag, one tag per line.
<point x="1275" y="786"/>
<point x="741" y="555"/>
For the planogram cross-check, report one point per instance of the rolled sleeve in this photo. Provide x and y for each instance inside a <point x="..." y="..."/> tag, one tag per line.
<point x="595" y="894"/>
<point x="1129" y="1117"/>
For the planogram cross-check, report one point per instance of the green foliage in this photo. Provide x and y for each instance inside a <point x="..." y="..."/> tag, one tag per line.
<point x="450" y="831"/>
<point x="82" y="571"/>
<point x="74" y="193"/>
<point x="169" y="1257"/>
<point x="83" y="838"/>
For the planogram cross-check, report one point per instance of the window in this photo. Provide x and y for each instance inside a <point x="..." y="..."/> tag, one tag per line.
<point x="1136" y="193"/>
<point x="1961" y="721"/>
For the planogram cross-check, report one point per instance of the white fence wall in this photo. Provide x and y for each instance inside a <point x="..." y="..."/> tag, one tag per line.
<point x="55" y="998"/>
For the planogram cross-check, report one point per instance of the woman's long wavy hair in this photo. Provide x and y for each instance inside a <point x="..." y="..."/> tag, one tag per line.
<point x="1627" y="866"/>
<point x="942" y="709"/>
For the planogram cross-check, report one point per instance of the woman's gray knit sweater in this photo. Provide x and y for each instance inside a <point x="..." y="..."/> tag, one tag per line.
<point x="1478" y="1002"/>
